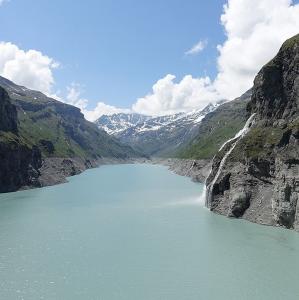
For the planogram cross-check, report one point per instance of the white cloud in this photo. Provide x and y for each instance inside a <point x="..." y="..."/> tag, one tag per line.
<point x="30" y="68"/>
<point x="102" y="109"/>
<point x="255" y="30"/>
<point x="169" y="97"/>
<point x="34" y="70"/>
<point x="74" y="97"/>
<point x="197" y="48"/>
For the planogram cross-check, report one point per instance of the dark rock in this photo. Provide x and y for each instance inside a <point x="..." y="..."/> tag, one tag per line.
<point x="263" y="166"/>
<point x="47" y="146"/>
<point x="19" y="166"/>
<point x="239" y="203"/>
<point x="19" y="162"/>
<point x="276" y="87"/>
<point x="8" y="113"/>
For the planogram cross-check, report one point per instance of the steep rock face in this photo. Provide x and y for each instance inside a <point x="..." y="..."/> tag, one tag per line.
<point x="8" y="113"/>
<point x="257" y="176"/>
<point x="19" y="166"/>
<point x="19" y="163"/>
<point x="276" y="93"/>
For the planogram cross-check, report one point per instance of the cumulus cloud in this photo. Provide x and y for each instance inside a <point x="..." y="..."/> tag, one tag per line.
<point x="30" y="68"/>
<point x="34" y="70"/>
<point x="73" y="97"/>
<point x="103" y="109"/>
<point x="170" y="97"/>
<point x="255" y="29"/>
<point x="197" y="48"/>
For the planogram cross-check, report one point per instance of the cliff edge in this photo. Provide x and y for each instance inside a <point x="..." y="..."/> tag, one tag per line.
<point x="256" y="174"/>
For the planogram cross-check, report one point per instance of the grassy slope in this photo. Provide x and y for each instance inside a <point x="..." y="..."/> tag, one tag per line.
<point x="217" y="128"/>
<point x="43" y="119"/>
<point x="74" y="137"/>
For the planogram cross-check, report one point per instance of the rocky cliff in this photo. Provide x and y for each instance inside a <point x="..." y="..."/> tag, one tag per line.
<point x="19" y="163"/>
<point x="256" y="175"/>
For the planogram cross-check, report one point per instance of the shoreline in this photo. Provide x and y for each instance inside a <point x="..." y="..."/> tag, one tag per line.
<point x="56" y="170"/>
<point x="197" y="170"/>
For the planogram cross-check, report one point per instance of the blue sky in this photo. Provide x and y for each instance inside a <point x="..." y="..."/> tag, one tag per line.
<point x="113" y="52"/>
<point x="116" y="49"/>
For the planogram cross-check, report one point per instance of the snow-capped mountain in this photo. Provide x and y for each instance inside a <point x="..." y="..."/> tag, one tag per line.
<point x="116" y="123"/>
<point x="156" y="136"/>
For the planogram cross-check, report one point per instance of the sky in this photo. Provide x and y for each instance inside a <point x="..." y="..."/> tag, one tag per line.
<point x="152" y="57"/>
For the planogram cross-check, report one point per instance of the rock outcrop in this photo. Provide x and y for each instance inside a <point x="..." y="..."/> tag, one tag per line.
<point x="259" y="179"/>
<point x="197" y="170"/>
<point x="8" y="113"/>
<point x="19" y="163"/>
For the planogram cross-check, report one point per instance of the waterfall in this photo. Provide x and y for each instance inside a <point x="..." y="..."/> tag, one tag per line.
<point x="203" y="195"/>
<point x="241" y="133"/>
<point x="209" y="189"/>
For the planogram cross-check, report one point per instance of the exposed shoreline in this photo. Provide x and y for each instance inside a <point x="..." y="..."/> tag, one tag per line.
<point x="56" y="170"/>
<point x="197" y="170"/>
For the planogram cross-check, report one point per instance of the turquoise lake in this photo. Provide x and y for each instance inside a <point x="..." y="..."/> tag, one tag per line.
<point x="137" y="232"/>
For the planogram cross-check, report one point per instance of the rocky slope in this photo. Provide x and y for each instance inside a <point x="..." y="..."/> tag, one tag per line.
<point x="34" y="128"/>
<point x="197" y="170"/>
<point x="161" y="136"/>
<point x="256" y="175"/>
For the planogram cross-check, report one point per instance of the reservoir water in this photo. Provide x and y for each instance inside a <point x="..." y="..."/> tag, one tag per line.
<point x="137" y="232"/>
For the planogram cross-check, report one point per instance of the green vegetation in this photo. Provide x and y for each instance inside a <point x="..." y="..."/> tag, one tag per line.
<point x="216" y="129"/>
<point x="258" y="143"/>
<point x="58" y="129"/>
<point x="8" y="137"/>
<point x="34" y="128"/>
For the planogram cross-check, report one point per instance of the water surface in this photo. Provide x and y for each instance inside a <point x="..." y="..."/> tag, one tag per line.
<point x="137" y="232"/>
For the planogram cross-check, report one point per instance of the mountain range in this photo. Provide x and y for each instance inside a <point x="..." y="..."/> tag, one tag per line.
<point x="251" y="141"/>
<point x="159" y="136"/>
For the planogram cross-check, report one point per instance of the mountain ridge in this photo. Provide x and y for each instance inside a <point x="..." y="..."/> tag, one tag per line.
<point x="35" y="128"/>
<point x="158" y="135"/>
